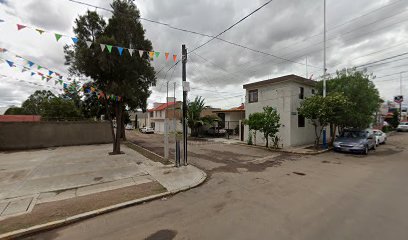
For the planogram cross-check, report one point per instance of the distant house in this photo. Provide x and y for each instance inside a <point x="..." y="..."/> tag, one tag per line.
<point x="231" y="119"/>
<point x="285" y="95"/>
<point x="161" y="111"/>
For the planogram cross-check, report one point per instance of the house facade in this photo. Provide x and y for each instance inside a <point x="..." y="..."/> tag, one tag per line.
<point x="231" y="119"/>
<point x="285" y="95"/>
<point x="156" y="116"/>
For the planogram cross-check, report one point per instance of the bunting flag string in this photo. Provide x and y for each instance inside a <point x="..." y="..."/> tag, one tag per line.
<point x="88" y="89"/>
<point x="120" y="49"/>
<point x="8" y="78"/>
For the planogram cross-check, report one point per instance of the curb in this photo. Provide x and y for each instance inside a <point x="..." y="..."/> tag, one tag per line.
<point x="94" y="213"/>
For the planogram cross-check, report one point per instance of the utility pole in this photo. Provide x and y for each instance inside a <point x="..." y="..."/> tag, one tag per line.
<point x="324" y="67"/>
<point x="184" y="79"/>
<point x="166" y="126"/>
<point x="400" y="112"/>
<point x="307" y="72"/>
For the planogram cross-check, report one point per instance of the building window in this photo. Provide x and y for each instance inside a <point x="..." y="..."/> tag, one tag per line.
<point x="301" y="121"/>
<point x="160" y="113"/>
<point x="253" y="96"/>
<point x="313" y="91"/>
<point x="151" y="114"/>
<point x="301" y="92"/>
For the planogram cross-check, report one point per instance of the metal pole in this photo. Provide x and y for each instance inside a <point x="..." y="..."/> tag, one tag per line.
<point x="400" y="112"/>
<point x="307" y="72"/>
<point x="166" y="127"/>
<point x="184" y="79"/>
<point x="324" y="67"/>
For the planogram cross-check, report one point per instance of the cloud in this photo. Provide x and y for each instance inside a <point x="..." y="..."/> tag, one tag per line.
<point x="357" y="31"/>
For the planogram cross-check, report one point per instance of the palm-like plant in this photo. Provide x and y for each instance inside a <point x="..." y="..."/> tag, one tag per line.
<point x="194" y="120"/>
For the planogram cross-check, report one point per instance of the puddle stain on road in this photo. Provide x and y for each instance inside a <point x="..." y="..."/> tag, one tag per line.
<point x="164" y="234"/>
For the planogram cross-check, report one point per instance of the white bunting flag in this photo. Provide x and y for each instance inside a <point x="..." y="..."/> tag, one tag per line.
<point x="103" y="47"/>
<point x="131" y="51"/>
<point x="141" y="53"/>
<point x="88" y="43"/>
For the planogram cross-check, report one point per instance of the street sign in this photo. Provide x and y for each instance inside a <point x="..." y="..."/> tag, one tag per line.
<point x="398" y="99"/>
<point x="186" y="86"/>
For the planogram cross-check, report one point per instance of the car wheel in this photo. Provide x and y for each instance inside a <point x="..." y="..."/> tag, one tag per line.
<point x="374" y="147"/>
<point x="365" y="151"/>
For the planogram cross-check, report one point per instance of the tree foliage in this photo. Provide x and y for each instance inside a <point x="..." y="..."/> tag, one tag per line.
<point x="125" y="76"/>
<point x="266" y="122"/>
<point x="322" y="111"/>
<point x="361" y="93"/>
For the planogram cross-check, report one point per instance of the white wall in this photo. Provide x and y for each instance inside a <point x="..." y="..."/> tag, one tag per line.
<point x="284" y="97"/>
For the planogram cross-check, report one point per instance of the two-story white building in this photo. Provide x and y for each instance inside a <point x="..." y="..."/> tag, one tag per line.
<point x="285" y="95"/>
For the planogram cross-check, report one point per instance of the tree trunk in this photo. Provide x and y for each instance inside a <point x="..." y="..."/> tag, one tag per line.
<point x="118" y="114"/>
<point x="123" y="132"/>
<point x="267" y="141"/>
<point x="108" y="115"/>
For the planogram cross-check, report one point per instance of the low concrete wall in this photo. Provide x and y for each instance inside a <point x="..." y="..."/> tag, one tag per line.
<point x="30" y="135"/>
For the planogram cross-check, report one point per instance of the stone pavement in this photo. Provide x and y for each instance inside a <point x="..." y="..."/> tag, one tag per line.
<point x="32" y="177"/>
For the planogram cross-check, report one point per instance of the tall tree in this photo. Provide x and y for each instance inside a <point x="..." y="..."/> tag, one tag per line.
<point x="122" y="75"/>
<point x="360" y="91"/>
<point x="194" y="120"/>
<point x="36" y="102"/>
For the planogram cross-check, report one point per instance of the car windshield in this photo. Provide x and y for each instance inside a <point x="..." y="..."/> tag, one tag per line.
<point x="353" y="134"/>
<point x="377" y="133"/>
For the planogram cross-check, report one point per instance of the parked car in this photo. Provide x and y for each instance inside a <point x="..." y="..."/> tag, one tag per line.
<point x="402" y="127"/>
<point x="129" y="127"/>
<point x="380" y="137"/>
<point x="217" y="131"/>
<point x="355" y="140"/>
<point x="146" y="130"/>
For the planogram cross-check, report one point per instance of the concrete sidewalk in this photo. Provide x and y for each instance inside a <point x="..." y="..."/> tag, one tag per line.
<point x="29" y="178"/>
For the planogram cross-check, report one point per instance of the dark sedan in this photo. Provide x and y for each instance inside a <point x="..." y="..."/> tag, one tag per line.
<point x="358" y="141"/>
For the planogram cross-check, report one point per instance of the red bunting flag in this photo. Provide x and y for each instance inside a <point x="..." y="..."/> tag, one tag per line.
<point x="19" y="26"/>
<point x="167" y="56"/>
<point x="175" y="57"/>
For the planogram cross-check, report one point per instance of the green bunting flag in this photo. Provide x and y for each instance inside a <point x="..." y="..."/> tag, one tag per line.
<point x="39" y="67"/>
<point x="57" y="36"/>
<point x="109" y="47"/>
<point x="157" y="54"/>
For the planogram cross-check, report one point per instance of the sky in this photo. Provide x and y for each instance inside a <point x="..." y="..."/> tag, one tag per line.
<point x="358" y="32"/>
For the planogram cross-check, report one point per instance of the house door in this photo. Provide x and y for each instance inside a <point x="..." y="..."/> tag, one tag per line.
<point x="242" y="132"/>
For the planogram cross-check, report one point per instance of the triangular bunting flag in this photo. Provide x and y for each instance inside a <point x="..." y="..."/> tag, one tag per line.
<point x="55" y="82"/>
<point x="141" y="53"/>
<point x="19" y="26"/>
<point x="102" y="47"/>
<point x="109" y="47"/>
<point x="60" y="81"/>
<point x="74" y="39"/>
<point x="3" y="50"/>
<point x="88" y="43"/>
<point x="32" y="73"/>
<point x="23" y="70"/>
<point x="50" y="72"/>
<point x="167" y="56"/>
<point x="42" y="77"/>
<point x="39" y="67"/>
<point x="60" y="77"/>
<point x="157" y="54"/>
<point x="175" y="57"/>
<point x="57" y="36"/>
<point x="120" y="50"/>
<point x="10" y="63"/>
<point x="40" y="31"/>
<point x="30" y="63"/>
<point x="151" y="54"/>
<point x="130" y="51"/>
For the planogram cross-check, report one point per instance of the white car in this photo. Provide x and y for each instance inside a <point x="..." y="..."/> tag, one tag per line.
<point x="380" y="136"/>
<point x="146" y="130"/>
<point x="402" y="127"/>
<point x="129" y="127"/>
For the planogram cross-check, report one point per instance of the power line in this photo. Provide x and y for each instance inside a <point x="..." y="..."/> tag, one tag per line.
<point x="230" y="27"/>
<point x="381" y="60"/>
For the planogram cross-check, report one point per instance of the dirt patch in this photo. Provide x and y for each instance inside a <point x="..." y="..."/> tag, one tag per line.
<point x="219" y="207"/>
<point x="299" y="173"/>
<point x="58" y="210"/>
<point x="98" y="178"/>
<point x="164" y="234"/>
<point x="231" y="164"/>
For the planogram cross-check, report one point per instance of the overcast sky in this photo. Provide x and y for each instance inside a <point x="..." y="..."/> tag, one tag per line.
<point x="359" y="32"/>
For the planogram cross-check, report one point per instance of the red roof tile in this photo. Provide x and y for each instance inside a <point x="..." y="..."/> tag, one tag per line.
<point x="161" y="107"/>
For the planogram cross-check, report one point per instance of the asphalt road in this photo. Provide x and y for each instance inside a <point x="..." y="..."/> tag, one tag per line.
<point x="254" y="194"/>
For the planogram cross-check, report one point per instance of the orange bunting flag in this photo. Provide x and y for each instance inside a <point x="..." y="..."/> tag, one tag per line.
<point x="175" y="57"/>
<point x="167" y="56"/>
<point x="19" y="26"/>
<point x="151" y="55"/>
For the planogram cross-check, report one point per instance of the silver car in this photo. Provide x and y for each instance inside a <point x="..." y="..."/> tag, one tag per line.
<point x="403" y="127"/>
<point x="354" y="140"/>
